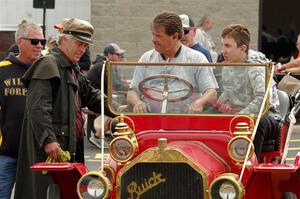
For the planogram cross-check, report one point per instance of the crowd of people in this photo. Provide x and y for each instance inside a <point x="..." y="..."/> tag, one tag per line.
<point x="43" y="91"/>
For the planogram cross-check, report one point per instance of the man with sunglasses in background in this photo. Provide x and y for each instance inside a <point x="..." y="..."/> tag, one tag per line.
<point x="189" y="38"/>
<point x="30" y="40"/>
<point x="167" y="31"/>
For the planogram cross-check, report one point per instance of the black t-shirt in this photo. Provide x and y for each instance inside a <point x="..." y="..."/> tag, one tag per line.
<point x="94" y="75"/>
<point x="85" y="60"/>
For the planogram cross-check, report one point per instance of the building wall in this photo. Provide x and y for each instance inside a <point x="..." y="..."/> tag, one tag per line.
<point x="127" y="22"/>
<point x="16" y="10"/>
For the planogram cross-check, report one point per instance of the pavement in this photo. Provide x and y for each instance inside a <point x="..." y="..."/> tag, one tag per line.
<point x="92" y="155"/>
<point x="293" y="145"/>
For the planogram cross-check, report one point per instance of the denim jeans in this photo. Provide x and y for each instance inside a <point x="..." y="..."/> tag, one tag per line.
<point x="8" y="166"/>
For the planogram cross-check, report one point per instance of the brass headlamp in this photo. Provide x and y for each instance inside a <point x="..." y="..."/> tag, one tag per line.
<point x="238" y="145"/>
<point x="94" y="184"/>
<point x="124" y="145"/>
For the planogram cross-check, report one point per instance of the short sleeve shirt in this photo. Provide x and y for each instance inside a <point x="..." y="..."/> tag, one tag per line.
<point x="201" y="78"/>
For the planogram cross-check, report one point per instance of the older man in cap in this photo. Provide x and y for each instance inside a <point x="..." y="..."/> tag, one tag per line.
<point x="85" y="60"/>
<point x="53" y="121"/>
<point x="188" y="38"/>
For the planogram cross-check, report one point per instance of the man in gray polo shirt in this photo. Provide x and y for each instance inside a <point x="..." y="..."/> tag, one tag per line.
<point x="166" y="34"/>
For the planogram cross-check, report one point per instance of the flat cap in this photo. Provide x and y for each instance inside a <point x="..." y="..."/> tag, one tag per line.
<point x="79" y="29"/>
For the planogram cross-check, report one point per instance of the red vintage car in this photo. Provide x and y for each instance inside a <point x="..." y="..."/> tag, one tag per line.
<point x="168" y="152"/>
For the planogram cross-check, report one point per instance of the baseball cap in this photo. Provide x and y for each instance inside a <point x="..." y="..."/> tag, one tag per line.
<point x="186" y="21"/>
<point x="60" y="25"/>
<point x="79" y="29"/>
<point x="113" y="48"/>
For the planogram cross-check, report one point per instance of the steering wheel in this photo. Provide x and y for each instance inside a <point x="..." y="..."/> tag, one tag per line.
<point x="146" y="91"/>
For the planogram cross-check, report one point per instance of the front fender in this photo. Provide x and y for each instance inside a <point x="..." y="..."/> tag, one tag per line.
<point x="271" y="181"/>
<point x="66" y="175"/>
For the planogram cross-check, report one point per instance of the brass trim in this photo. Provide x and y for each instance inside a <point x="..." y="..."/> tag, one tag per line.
<point x="230" y="177"/>
<point x="179" y="114"/>
<point x="230" y="152"/>
<point x="109" y="88"/>
<point x="122" y="129"/>
<point x="121" y="118"/>
<point x="133" y="148"/>
<point x="101" y="175"/>
<point x="0" y="133"/>
<point x="154" y="155"/>
<point x="162" y="143"/>
<point x="268" y="78"/>
<point x="107" y="168"/>
<point x="220" y="64"/>
<point x="251" y="119"/>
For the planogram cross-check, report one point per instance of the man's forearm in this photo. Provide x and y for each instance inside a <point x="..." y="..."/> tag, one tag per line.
<point x="292" y="66"/>
<point x="133" y="98"/>
<point x="197" y="106"/>
<point x="293" y="70"/>
<point x="208" y="96"/>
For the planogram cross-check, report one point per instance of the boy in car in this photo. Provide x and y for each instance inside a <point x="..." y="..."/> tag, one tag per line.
<point x="235" y="49"/>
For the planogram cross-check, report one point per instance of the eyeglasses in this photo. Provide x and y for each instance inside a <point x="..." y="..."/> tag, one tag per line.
<point x="36" y="41"/>
<point x="186" y="31"/>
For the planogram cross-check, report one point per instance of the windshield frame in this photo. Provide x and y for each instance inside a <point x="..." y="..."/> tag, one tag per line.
<point x="110" y="65"/>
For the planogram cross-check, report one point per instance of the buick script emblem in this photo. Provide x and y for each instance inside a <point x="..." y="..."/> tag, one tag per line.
<point x="136" y="190"/>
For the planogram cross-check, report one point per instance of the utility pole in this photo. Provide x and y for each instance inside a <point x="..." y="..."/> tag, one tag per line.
<point x="45" y="4"/>
<point x="44" y="22"/>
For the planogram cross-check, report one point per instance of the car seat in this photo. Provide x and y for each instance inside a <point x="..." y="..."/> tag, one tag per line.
<point x="273" y="148"/>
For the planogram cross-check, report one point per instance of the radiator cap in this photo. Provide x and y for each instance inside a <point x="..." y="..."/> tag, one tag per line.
<point x="162" y="143"/>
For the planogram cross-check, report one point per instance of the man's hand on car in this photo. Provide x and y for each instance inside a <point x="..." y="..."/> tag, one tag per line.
<point x="141" y="107"/>
<point x="196" y="107"/>
<point x="52" y="149"/>
<point x="279" y="68"/>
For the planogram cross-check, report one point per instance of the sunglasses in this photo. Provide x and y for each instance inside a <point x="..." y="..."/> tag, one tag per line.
<point x="120" y="55"/>
<point x="36" y="41"/>
<point x="186" y="31"/>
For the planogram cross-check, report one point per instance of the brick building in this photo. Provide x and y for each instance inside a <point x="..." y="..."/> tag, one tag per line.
<point x="127" y="22"/>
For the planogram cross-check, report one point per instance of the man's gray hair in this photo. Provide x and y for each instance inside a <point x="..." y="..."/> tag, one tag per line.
<point x="23" y="27"/>
<point x="63" y="35"/>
